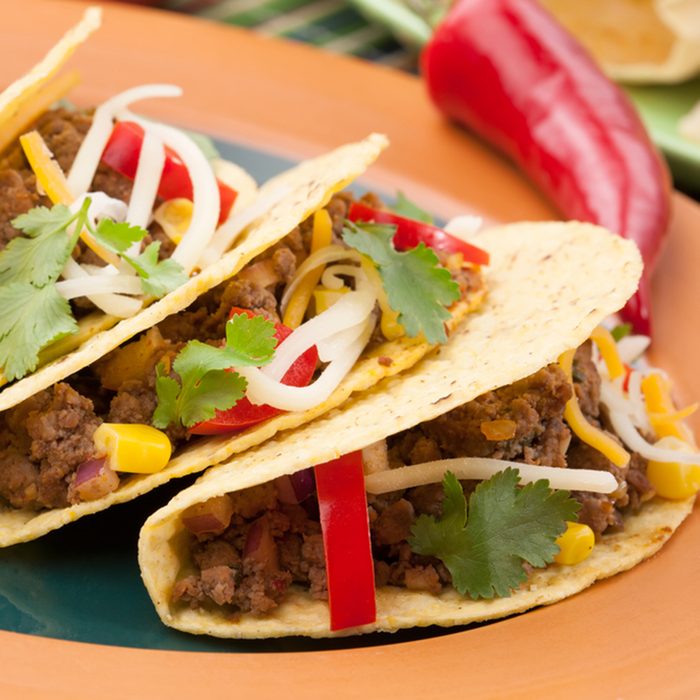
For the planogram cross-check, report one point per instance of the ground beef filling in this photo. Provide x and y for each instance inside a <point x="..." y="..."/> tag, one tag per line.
<point x="120" y="388"/>
<point x="226" y="571"/>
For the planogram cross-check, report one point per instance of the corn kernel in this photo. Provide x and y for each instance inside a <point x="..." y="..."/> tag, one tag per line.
<point x="325" y="298"/>
<point x="134" y="448"/>
<point x="671" y="479"/>
<point x="174" y="217"/>
<point x="575" y="544"/>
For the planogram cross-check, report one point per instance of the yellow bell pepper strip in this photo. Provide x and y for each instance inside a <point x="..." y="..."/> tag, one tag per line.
<point x="321" y="236"/>
<point x="51" y="179"/>
<point x="342" y="504"/>
<point x="575" y="545"/>
<point x="325" y="298"/>
<point x="608" y="349"/>
<point x="673" y="480"/>
<point x="133" y="448"/>
<point x="661" y="410"/>
<point x="30" y="109"/>
<point x="391" y="328"/>
<point x="174" y="217"/>
<point x="586" y="432"/>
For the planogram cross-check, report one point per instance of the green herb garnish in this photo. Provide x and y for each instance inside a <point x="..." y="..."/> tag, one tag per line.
<point x="405" y="207"/>
<point x="205" y="385"/>
<point x="158" y="277"/>
<point x="484" y="547"/>
<point x="620" y="331"/>
<point x="417" y="287"/>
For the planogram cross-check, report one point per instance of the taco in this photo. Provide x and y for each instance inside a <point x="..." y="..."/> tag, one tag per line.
<point x="257" y="546"/>
<point x="127" y="410"/>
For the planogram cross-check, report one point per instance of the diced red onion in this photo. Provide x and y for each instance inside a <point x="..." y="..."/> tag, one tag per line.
<point x="295" y="488"/>
<point x="211" y="517"/>
<point x="88" y="470"/>
<point x="260" y="545"/>
<point x="93" y="479"/>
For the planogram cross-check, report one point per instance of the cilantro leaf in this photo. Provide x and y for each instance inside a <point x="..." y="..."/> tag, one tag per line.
<point x="206" y="382"/>
<point x="118" y="237"/>
<point x="620" y="331"/>
<point x="157" y="277"/>
<point x="405" y="207"/>
<point x="416" y="286"/>
<point x="40" y="258"/>
<point x="32" y="317"/>
<point x="485" y="546"/>
<point x="167" y="390"/>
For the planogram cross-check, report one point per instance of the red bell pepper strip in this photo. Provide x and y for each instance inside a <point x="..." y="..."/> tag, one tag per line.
<point x="409" y="233"/>
<point x="122" y="154"/>
<point x="342" y="502"/>
<point x="244" y="413"/>
<point x="506" y="69"/>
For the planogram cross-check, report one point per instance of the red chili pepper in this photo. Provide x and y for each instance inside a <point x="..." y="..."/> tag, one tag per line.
<point x="506" y="69"/>
<point x="244" y="413"/>
<point x="342" y="502"/>
<point x="409" y="233"/>
<point x="122" y="154"/>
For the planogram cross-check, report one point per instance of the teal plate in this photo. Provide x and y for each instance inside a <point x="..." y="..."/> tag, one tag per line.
<point x="82" y="582"/>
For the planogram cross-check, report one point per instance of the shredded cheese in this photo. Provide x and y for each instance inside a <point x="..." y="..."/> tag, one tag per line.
<point x="484" y="468"/>
<point x="666" y="421"/>
<point x="608" y="349"/>
<point x="586" y="432"/>
<point x="320" y="238"/>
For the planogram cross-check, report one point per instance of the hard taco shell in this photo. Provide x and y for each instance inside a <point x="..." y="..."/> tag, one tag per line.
<point x="547" y="293"/>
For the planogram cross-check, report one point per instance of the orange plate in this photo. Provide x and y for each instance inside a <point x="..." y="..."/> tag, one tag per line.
<point x="635" y="635"/>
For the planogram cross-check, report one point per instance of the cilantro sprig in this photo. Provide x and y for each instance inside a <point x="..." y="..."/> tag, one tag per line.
<point x="417" y="287"/>
<point x="205" y="383"/>
<point x="158" y="277"/>
<point x="405" y="207"/>
<point x="485" y="545"/>
<point x="34" y="313"/>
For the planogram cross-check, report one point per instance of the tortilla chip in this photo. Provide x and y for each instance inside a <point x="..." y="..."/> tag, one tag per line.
<point x="638" y="41"/>
<point x="547" y="292"/>
<point x="311" y="185"/>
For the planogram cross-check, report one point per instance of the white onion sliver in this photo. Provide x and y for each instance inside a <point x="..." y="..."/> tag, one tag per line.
<point x="638" y="410"/>
<point x="332" y="347"/>
<point x="464" y="226"/>
<point x="626" y="431"/>
<point x="484" y="468"/>
<point x="352" y="308"/>
<point x="632" y="347"/>
<point x="238" y="221"/>
<point x="112" y="304"/>
<point x="206" y="203"/>
<point x="264" y="390"/>
<point x="331" y="276"/>
<point x="93" y="145"/>
<point x="323" y="256"/>
<point x="99" y="284"/>
<point x="146" y="181"/>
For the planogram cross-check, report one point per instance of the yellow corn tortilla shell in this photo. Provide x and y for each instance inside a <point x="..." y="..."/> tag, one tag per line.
<point x="549" y="286"/>
<point x="315" y="181"/>
<point x="639" y="41"/>
<point x="22" y="90"/>
<point x="310" y="184"/>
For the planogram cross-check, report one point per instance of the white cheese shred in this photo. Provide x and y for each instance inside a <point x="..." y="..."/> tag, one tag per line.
<point x="484" y="468"/>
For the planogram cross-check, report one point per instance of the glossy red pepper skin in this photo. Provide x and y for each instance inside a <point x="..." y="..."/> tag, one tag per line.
<point x="342" y="502"/>
<point x="244" y="413"/>
<point x="507" y="70"/>
<point x="122" y="154"/>
<point x="409" y="233"/>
